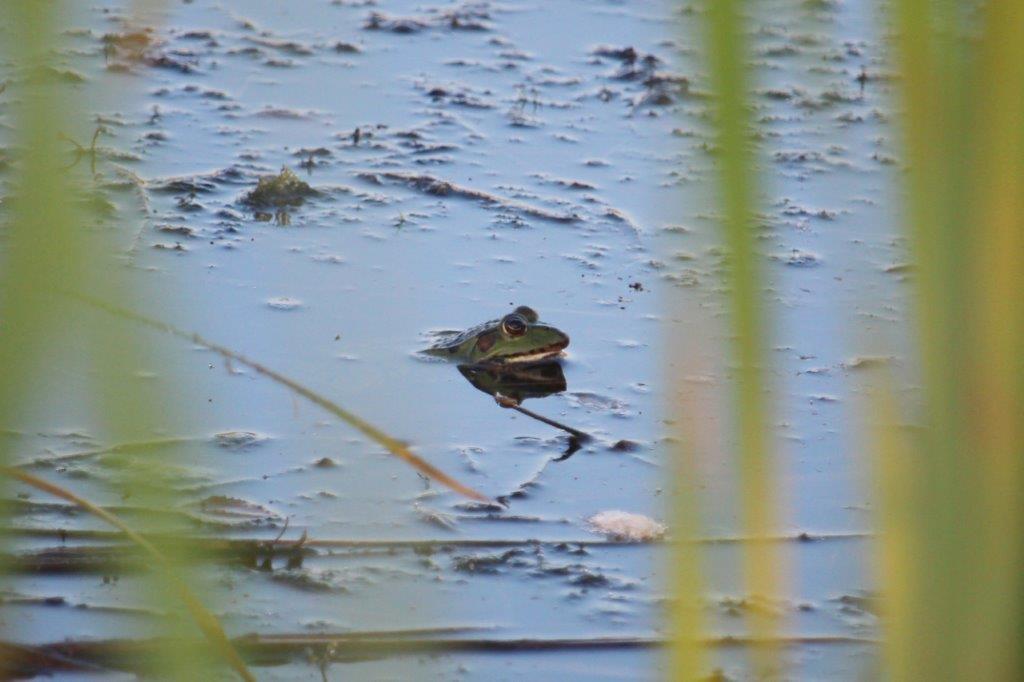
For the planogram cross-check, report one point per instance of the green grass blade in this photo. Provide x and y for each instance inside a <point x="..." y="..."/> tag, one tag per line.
<point x="55" y="235"/>
<point x="729" y="63"/>
<point x="206" y="621"/>
<point x="955" y="602"/>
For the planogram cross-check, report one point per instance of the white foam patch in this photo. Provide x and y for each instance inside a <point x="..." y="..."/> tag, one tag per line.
<point x="621" y="525"/>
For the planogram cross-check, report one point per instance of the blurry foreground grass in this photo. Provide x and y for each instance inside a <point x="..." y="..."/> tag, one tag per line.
<point x="949" y="489"/>
<point x="952" y="564"/>
<point x="65" y="279"/>
<point x="55" y="240"/>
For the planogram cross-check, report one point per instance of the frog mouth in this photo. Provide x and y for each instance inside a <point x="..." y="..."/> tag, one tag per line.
<point x="537" y="353"/>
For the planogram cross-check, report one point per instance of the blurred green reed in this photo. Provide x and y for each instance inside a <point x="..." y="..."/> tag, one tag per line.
<point x="54" y="240"/>
<point x="951" y="563"/>
<point x="728" y="62"/>
<point x="948" y="489"/>
<point x="64" y="281"/>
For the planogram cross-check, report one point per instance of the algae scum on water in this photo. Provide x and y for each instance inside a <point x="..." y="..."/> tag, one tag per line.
<point x="279" y="191"/>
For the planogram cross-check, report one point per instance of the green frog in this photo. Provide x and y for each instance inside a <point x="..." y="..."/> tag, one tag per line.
<point x="517" y="337"/>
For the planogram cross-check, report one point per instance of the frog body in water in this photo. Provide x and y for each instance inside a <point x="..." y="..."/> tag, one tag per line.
<point x="516" y="337"/>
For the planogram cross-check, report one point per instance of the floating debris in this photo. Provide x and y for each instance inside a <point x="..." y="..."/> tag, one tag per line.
<point x="859" y="604"/>
<point x="182" y="185"/>
<point x="122" y="50"/>
<point x="180" y="230"/>
<point x="435" y="517"/>
<point x="238" y="440"/>
<point x="466" y="17"/>
<point x="621" y="217"/>
<point x="306" y="581"/>
<point x="283" y="189"/>
<point x="626" y="526"/>
<point x="627" y="55"/>
<point x="484" y="563"/>
<point x="867" y="361"/>
<point x="378" y="21"/>
<point x="798" y="259"/>
<point x="286" y="46"/>
<point x="225" y="506"/>
<point x="284" y="303"/>
<point x="166" y="246"/>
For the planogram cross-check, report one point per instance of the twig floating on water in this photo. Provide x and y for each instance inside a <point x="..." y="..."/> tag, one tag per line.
<point x="127" y="654"/>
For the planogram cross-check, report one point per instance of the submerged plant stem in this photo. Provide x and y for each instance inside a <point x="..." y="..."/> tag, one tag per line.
<point x="283" y="648"/>
<point x="551" y="422"/>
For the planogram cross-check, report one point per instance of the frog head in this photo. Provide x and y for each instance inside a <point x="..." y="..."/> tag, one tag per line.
<point x="517" y="337"/>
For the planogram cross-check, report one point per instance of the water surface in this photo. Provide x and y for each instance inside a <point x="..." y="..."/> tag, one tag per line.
<point x="603" y="222"/>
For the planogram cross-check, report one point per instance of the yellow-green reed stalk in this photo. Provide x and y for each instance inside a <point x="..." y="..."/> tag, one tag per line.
<point x="39" y="243"/>
<point x="687" y="659"/>
<point x="54" y="241"/>
<point x="955" y="598"/>
<point x="200" y="614"/>
<point x="728" y="64"/>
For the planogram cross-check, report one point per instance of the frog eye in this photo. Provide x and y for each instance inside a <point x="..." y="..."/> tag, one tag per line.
<point x="513" y="325"/>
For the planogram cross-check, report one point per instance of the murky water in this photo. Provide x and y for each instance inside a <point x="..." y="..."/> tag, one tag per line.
<point x="599" y="217"/>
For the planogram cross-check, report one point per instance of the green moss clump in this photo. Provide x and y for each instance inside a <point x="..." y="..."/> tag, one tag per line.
<point x="284" y="189"/>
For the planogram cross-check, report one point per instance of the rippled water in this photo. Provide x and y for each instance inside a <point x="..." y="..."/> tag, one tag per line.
<point x="579" y="190"/>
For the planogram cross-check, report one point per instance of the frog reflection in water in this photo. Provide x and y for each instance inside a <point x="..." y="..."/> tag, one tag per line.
<point x="510" y="384"/>
<point x="518" y="337"/>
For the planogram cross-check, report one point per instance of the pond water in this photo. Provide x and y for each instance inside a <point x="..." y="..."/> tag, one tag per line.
<point x="578" y="185"/>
